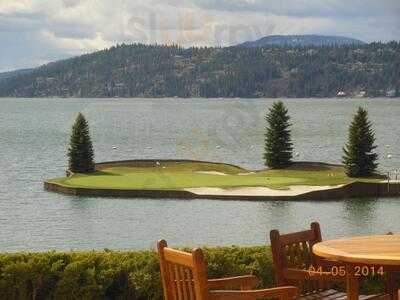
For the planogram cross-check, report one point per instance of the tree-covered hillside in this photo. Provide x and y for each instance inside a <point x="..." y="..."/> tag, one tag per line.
<point x="10" y="74"/>
<point x="302" y="40"/>
<point x="168" y="71"/>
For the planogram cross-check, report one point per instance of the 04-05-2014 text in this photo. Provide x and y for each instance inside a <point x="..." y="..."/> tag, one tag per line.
<point x="342" y="271"/>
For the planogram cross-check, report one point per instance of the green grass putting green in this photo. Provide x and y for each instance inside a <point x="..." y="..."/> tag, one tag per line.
<point x="180" y="175"/>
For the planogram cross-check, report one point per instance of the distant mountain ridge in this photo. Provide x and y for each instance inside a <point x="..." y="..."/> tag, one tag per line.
<point x="9" y="74"/>
<point x="302" y="40"/>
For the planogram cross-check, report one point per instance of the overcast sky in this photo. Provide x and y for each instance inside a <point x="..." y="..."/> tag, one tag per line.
<point x="34" y="32"/>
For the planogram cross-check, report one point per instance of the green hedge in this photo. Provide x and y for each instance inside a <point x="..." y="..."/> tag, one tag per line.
<point x="112" y="274"/>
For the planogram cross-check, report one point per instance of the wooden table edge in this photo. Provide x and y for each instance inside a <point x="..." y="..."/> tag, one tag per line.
<point x="330" y="253"/>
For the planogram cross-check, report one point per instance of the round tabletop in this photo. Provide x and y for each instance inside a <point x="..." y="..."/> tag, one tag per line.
<point x="377" y="250"/>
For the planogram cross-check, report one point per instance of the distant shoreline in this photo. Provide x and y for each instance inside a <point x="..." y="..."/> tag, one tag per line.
<point x="209" y="98"/>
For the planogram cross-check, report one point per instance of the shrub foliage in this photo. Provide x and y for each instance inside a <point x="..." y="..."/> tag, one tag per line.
<point x="278" y="145"/>
<point x="80" y="152"/>
<point x="119" y="275"/>
<point x="359" y="157"/>
<point x="111" y="274"/>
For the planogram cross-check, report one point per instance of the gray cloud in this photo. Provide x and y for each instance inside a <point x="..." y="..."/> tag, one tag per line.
<point x="71" y="3"/>
<point x="33" y="32"/>
<point x="309" y="8"/>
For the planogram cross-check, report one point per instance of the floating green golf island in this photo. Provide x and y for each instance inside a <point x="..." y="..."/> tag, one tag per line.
<point x="197" y="179"/>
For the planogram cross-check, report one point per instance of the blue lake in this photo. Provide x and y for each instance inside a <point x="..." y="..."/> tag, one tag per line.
<point x="34" y="135"/>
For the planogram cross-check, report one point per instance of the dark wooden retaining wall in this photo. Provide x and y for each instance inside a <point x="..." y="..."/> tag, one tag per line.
<point x="55" y="187"/>
<point x="353" y="190"/>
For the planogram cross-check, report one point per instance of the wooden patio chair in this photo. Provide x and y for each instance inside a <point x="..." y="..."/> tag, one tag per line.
<point x="184" y="277"/>
<point x="295" y="262"/>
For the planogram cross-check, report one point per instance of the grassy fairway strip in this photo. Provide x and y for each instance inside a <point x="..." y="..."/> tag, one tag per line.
<point x="178" y="176"/>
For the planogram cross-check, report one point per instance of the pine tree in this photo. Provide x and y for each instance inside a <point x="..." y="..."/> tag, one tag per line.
<point x="359" y="158"/>
<point x="278" y="145"/>
<point x="80" y="150"/>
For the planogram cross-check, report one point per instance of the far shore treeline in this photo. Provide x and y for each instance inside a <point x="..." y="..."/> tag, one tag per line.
<point x="368" y="70"/>
<point x="359" y="157"/>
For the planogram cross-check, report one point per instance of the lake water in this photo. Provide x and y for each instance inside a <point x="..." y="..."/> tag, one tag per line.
<point x="34" y="134"/>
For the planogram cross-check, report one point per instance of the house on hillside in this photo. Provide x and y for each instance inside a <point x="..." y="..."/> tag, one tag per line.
<point x="391" y="93"/>
<point x="341" y="94"/>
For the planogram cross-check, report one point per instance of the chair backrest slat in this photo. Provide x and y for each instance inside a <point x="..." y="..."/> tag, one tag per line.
<point x="190" y="284"/>
<point x="184" y="285"/>
<point x="171" y="269"/>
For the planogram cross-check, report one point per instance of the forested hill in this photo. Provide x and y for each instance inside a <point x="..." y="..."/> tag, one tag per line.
<point x="168" y="71"/>
<point x="10" y="74"/>
<point x="302" y="40"/>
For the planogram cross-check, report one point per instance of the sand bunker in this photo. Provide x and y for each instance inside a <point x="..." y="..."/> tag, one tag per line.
<point x="294" y="190"/>
<point x="211" y="172"/>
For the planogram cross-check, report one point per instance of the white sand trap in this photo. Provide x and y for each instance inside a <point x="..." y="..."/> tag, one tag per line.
<point x="211" y="172"/>
<point x="244" y="174"/>
<point x="294" y="190"/>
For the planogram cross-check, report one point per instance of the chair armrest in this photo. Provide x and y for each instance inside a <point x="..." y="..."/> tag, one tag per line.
<point x="283" y="293"/>
<point x="298" y="274"/>
<point x="247" y="282"/>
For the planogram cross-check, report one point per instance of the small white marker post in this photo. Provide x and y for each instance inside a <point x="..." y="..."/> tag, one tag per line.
<point x="388" y="182"/>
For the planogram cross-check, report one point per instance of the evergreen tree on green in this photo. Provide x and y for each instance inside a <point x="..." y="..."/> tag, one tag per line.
<point x="80" y="152"/>
<point x="359" y="157"/>
<point x="278" y="145"/>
